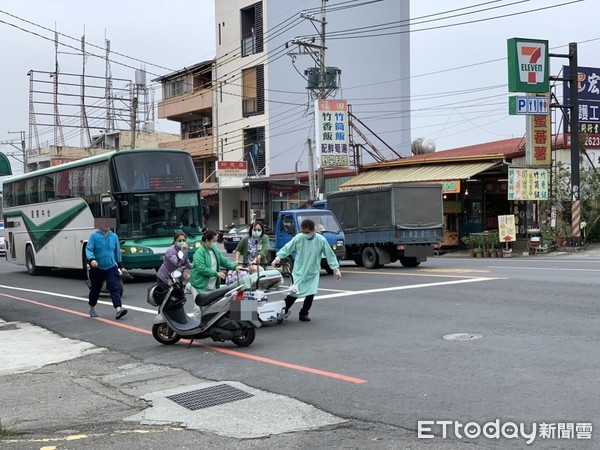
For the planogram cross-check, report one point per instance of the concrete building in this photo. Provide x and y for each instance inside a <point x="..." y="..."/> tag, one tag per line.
<point x="55" y="155"/>
<point x="188" y="98"/>
<point x="256" y="97"/>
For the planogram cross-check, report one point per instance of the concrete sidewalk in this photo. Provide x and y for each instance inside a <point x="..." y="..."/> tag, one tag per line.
<point x="56" y="390"/>
<point x="589" y="251"/>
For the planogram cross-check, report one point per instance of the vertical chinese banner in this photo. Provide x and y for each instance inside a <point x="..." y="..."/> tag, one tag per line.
<point x="527" y="184"/>
<point x="331" y="130"/>
<point x="539" y="133"/>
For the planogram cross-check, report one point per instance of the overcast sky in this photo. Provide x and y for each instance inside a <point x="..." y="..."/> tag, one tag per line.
<point x="458" y="64"/>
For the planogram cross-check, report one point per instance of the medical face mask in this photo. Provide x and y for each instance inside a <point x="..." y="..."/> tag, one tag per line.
<point x="256" y="234"/>
<point x="180" y="244"/>
<point x="309" y="236"/>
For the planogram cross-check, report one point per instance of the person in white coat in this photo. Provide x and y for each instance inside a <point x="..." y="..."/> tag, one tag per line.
<point x="309" y="246"/>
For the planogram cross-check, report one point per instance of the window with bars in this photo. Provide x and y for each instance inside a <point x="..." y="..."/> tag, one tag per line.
<point x="252" y="29"/>
<point x="255" y="151"/>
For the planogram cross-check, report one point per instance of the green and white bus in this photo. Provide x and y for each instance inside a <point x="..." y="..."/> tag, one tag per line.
<point x="147" y="194"/>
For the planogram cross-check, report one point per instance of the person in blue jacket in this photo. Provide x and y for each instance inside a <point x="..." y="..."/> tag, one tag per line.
<point x="103" y="254"/>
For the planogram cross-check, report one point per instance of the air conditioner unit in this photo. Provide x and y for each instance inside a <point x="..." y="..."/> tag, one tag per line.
<point x="258" y="213"/>
<point x="206" y="121"/>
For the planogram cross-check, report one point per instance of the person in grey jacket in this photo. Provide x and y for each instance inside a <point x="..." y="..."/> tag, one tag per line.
<point x="103" y="254"/>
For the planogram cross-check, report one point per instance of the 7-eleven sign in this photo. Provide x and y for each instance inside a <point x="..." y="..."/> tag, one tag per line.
<point x="528" y="65"/>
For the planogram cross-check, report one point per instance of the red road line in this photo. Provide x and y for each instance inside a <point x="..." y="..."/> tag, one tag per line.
<point x="226" y="351"/>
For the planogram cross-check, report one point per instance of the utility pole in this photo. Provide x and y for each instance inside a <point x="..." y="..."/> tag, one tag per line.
<point x="317" y="52"/>
<point x="110" y="122"/>
<point x="573" y="106"/>
<point x="322" y="81"/>
<point x="311" y="171"/>
<point x="59" y="139"/>
<point x="134" y="106"/>
<point x="573" y="91"/>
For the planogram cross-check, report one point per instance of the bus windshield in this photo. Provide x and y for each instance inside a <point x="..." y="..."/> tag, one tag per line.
<point x="158" y="214"/>
<point x="155" y="172"/>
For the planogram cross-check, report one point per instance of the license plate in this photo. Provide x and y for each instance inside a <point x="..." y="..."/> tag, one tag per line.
<point x="236" y="239"/>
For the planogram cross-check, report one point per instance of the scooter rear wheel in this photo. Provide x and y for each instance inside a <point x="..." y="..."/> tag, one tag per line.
<point x="246" y="338"/>
<point x="165" y="335"/>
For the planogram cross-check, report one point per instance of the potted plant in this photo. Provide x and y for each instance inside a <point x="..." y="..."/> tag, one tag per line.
<point x="498" y="249"/>
<point x="468" y="241"/>
<point x="478" y="252"/>
<point x="479" y="244"/>
<point x="491" y="239"/>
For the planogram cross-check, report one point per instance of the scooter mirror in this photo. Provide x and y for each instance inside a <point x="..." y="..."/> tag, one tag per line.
<point x="180" y="254"/>
<point x="175" y="274"/>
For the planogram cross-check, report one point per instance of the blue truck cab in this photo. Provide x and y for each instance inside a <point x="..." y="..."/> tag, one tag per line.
<point x="288" y="225"/>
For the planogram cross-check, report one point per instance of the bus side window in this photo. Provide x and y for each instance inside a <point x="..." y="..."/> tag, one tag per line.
<point x="46" y="188"/>
<point x="20" y="193"/>
<point x="63" y="185"/>
<point x="31" y="191"/>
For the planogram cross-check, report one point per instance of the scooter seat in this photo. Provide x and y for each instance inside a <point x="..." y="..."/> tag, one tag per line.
<point x="207" y="298"/>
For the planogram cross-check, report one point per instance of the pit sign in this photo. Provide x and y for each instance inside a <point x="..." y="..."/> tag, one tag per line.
<point x="522" y="105"/>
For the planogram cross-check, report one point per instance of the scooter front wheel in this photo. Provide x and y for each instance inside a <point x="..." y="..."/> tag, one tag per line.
<point x="246" y="338"/>
<point x="165" y="335"/>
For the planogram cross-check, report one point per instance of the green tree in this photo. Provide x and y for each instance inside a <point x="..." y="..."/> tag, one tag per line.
<point x="589" y="188"/>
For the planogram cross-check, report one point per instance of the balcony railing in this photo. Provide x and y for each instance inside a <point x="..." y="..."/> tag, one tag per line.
<point x="248" y="45"/>
<point x="178" y="106"/>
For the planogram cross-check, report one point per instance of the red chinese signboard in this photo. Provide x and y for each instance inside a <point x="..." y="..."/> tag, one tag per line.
<point x="540" y="139"/>
<point x="232" y="169"/>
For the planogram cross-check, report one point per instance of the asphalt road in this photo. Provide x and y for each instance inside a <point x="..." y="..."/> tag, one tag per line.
<point x="374" y="350"/>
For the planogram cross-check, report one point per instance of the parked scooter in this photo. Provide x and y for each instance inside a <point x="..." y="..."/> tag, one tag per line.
<point x="227" y="314"/>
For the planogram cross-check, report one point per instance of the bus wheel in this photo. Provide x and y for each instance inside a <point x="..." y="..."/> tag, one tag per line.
<point x="32" y="269"/>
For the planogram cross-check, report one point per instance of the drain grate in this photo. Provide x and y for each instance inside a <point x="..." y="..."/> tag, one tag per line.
<point x="207" y="397"/>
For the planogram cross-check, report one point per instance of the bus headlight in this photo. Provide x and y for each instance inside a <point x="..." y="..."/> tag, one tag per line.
<point x="136" y="250"/>
<point x="198" y="244"/>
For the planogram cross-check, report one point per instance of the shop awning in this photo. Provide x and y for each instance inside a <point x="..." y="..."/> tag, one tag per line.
<point x="411" y="174"/>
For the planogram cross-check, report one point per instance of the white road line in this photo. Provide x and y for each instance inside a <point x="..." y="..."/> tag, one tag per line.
<point x="401" y="288"/>
<point x="335" y="290"/>
<point x="81" y="299"/>
<point x="544" y="268"/>
<point x="300" y="300"/>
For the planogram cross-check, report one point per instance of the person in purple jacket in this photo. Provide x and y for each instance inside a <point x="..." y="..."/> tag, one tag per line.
<point x="172" y="261"/>
<point x="103" y="254"/>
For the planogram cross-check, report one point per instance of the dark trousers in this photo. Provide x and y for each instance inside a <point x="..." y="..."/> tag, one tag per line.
<point x="308" y="300"/>
<point x="112" y="278"/>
